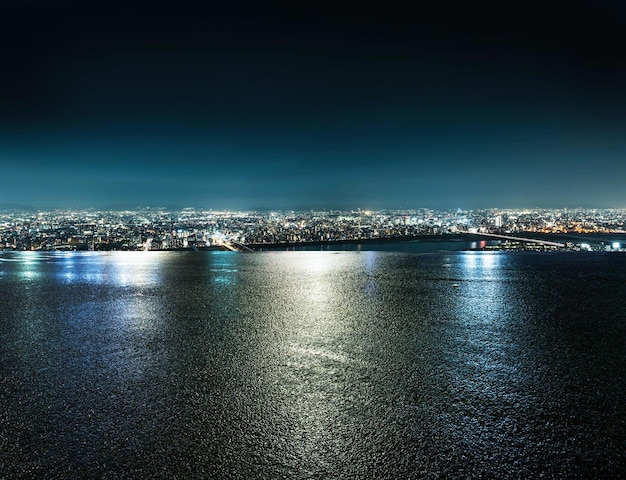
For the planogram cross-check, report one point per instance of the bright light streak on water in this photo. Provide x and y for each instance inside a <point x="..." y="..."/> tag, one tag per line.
<point x="130" y="268"/>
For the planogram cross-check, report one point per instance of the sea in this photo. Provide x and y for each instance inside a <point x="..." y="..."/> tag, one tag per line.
<point x="312" y="365"/>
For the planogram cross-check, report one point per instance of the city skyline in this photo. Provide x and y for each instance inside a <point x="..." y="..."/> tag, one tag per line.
<point x="189" y="229"/>
<point x="277" y="106"/>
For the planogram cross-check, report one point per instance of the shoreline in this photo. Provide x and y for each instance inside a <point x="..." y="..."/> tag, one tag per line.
<point x="592" y="238"/>
<point x="452" y="237"/>
<point x="595" y="238"/>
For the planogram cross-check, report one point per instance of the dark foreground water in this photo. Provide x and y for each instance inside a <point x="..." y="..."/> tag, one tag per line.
<point x="312" y="365"/>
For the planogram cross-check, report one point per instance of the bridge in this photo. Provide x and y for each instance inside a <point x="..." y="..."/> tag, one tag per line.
<point x="522" y="239"/>
<point x="236" y="247"/>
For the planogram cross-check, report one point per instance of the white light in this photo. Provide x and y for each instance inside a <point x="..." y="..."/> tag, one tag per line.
<point x="616" y="246"/>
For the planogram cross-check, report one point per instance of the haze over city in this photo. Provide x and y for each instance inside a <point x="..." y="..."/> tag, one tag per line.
<point x="264" y="105"/>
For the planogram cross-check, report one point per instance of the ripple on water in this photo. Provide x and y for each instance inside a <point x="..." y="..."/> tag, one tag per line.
<point x="312" y="364"/>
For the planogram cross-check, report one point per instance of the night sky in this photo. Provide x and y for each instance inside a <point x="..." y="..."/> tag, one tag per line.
<point x="300" y="105"/>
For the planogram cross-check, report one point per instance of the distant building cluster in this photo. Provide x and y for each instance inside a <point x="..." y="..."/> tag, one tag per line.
<point x="162" y="229"/>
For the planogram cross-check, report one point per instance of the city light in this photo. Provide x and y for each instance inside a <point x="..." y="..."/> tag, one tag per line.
<point x="190" y="229"/>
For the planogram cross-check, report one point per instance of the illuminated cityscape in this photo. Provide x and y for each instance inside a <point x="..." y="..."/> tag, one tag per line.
<point x="188" y="229"/>
<point x="312" y="240"/>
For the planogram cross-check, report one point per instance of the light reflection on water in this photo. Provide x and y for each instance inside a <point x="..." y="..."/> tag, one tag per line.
<point x="486" y="357"/>
<point x="28" y="263"/>
<point x="311" y="364"/>
<point x="314" y="354"/>
<point x="481" y="262"/>
<point x="481" y="292"/>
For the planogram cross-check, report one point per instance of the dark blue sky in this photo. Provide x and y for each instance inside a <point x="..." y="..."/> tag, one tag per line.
<point x="278" y="105"/>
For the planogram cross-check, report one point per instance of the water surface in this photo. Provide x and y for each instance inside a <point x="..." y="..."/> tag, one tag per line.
<point x="312" y="365"/>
